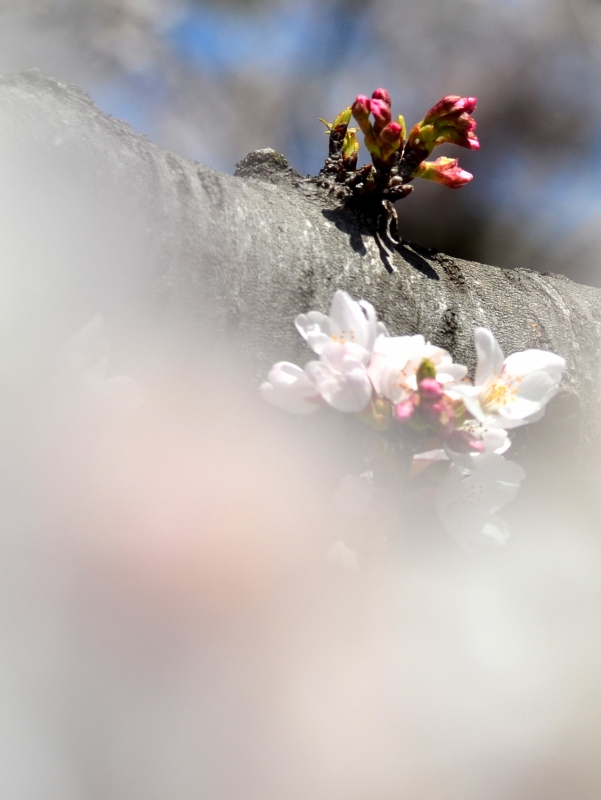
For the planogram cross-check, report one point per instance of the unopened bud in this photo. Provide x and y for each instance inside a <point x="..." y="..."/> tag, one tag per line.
<point x="391" y="134"/>
<point x="391" y="139"/>
<point x="430" y="389"/>
<point x="444" y="170"/>
<point x="447" y="122"/>
<point x="360" y="110"/>
<point x="381" y="112"/>
<point x="404" y="410"/>
<point x="439" y="414"/>
<point x="451" y="105"/>
<point x="382" y="94"/>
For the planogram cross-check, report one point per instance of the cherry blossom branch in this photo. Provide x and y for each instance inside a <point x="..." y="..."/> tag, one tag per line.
<point x="215" y="255"/>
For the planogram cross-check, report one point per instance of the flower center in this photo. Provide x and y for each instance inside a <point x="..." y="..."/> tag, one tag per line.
<point x="344" y="336"/>
<point x="501" y="391"/>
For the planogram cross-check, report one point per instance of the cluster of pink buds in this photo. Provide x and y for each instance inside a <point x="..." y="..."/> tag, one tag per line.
<point x="447" y="122"/>
<point x="431" y="409"/>
<point x="397" y="158"/>
<point x="383" y="138"/>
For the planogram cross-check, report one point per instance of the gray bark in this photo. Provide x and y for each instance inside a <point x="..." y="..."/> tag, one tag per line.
<point x="244" y="254"/>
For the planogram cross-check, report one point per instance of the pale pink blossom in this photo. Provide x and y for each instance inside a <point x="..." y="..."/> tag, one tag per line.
<point x="349" y="322"/>
<point x="395" y="362"/>
<point x="512" y="391"/>
<point x="467" y="500"/>
<point x="341" y="378"/>
<point x="288" y="387"/>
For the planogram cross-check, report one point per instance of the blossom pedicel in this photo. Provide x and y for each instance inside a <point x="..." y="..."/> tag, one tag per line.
<point x="408" y="382"/>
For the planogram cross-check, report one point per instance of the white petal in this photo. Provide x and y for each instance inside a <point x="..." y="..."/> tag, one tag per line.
<point x="471" y="399"/>
<point x="345" y="388"/>
<point x="450" y="373"/>
<point x="490" y="355"/>
<point x="466" y="502"/>
<point x="496" y="530"/>
<point x="349" y="322"/>
<point x="495" y="441"/>
<point x="400" y="349"/>
<point x="518" y="412"/>
<point x="527" y="361"/>
<point x="539" y="387"/>
<point x="289" y="388"/>
<point x="315" y="328"/>
<point x="373" y="328"/>
<point x="348" y="319"/>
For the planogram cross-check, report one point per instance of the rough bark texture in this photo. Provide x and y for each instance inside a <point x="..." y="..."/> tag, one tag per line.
<point x="246" y="253"/>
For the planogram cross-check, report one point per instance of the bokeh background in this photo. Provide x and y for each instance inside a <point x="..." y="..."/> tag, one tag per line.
<point x="212" y="80"/>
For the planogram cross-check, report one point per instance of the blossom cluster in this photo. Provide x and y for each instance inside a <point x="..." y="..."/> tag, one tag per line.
<point x="398" y="158"/>
<point x="404" y="380"/>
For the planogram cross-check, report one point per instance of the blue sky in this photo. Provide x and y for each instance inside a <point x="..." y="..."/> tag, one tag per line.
<point x="305" y="39"/>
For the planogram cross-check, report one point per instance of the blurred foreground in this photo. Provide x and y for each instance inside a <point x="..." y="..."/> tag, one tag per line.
<point x="173" y="626"/>
<point x="176" y="623"/>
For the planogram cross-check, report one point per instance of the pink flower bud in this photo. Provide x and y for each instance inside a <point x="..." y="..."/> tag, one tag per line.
<point x="451" y="105"/>
<point x="448" y="121"/>
<point x="459" y="131"/>
<point x="392" y="134"/>
<point x="361" y="109"/>
<point x="433" y="411"/>
<point x="439" y="414"/>
<point x="444" y="170"/>
<point x="430" y="389"/>
<point x="391" y="139"/>
<point x="381" y="112"/>
<point x="382" y="94"/>
<point x="404" y="410"/>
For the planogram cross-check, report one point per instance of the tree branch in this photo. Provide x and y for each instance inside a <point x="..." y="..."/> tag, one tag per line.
<point x="244" y="254"/>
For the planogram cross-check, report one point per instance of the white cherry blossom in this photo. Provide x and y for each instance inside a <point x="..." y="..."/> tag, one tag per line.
<point x="495" y="441"/>
<point x="395" y="362"/>
<point x="512" y="391"/>
<point x="341" y="378"/>
<point x="349" y="323"/>
<point x="288" y="387"/>
<point x="467" y="500"/>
